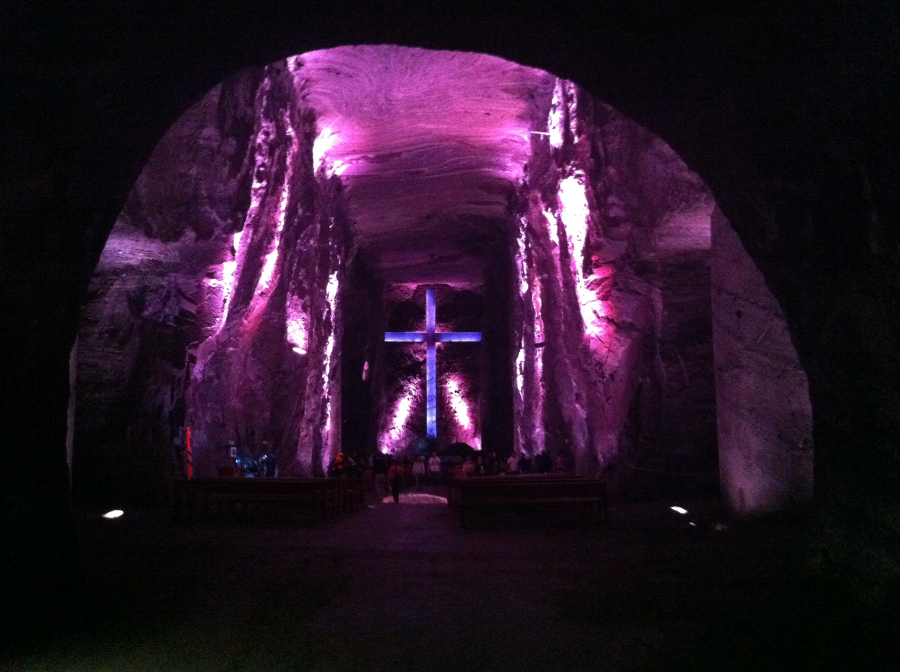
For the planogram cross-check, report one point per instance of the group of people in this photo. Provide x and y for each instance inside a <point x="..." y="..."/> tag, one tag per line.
<point x="541" y="463"/>
<point x="347" y="465"/>
<point x="390" y="472"/>
<point x="244" y="463"/>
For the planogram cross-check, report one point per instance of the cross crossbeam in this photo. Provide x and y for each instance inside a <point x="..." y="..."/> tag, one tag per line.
<point x="431" y="337"/>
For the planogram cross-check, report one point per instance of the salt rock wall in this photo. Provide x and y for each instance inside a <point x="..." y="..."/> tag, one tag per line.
<point x="613" y="360"/>
<point x="656" y="215"/>
<point x="198" y="178"/>
<point x="362" y="351"/>
<point x="762" y="394"/>
<point x="219" y="279"/>
<point x="272" y="373"/>
<point x="150" y="301"/>
<point x="131" y="366"/>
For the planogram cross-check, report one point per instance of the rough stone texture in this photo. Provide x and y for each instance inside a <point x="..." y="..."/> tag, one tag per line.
<point x="611" y="245"/>
<point x="655" y="226"/>
<point x="762" y="395"/>
<point x="429" y="145"/>
<point x="272" y="371"/>
<point x="616" y="353"/>
<point x="189" y="324"/>
<point x="131" y="367"/>
<point x="199" y="175"/>
<point x="150" y="302"/>
<point x="788" y="113"/>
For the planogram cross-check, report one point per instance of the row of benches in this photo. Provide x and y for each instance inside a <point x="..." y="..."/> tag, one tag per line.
<point x="532" y="498"/>
<point x="311" y="499"/>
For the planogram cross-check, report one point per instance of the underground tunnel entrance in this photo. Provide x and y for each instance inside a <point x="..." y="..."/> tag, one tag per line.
<point x="300" y="211"/>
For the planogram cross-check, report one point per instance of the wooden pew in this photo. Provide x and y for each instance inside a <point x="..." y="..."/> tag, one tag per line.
<point x="456" y="477"/>
<point x="258" y="498"/>
<point x="553" y="497"/>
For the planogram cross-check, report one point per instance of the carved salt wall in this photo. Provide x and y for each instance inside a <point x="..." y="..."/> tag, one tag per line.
<point x="216" y="302"/>
<point x="150" y="301"/>
<point x="237" y="240"/>
<point x="272" y="372"/>
<point x="430" y="146"/>
<point x="613" y="353"/>
<point x="762" y="393"/>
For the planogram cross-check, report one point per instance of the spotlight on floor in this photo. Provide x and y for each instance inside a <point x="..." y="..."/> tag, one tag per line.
<point x="416" y="498"/>
<point x="115" y="513"/>
<point x="678" y="509"/>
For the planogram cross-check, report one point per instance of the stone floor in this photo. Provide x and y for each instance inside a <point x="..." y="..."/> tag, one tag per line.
<point x="402" y="587"/>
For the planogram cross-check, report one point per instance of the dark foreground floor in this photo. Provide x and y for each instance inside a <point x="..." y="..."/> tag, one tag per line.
<point x="401" y="587"/>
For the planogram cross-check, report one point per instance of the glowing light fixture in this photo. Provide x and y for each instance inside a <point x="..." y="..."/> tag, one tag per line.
<point x="324" y="142"/>
<point x="556" y="119"/>
<point x="430" y="337"/>
<point x="331" y="291"/>
<point x="401" y="413"/>
<point x="115" y="513"/>
<point x="574" y="212"/>
<point x="268" y="269"/>
<point x="416" y="498"/>
<point x="678" y="509"/>
<point x="458" y="403"/>
<point x="296" y="331"/>
<point x="227" y="281"/>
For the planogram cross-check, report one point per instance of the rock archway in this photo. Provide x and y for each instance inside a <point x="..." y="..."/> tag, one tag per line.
<point x="283" y="222"/>
<point x="788" y="115"/>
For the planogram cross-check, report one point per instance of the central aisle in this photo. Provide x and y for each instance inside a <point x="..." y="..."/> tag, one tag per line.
<point x="402" y="587"/>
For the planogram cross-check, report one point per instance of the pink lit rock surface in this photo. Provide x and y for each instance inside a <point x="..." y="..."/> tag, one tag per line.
<point x="762" y="393"/>
<point x="271" y="372"/>
<point x="614" y="361"/>
<point x="429" y="144"/>
<point x="330" y="189"/>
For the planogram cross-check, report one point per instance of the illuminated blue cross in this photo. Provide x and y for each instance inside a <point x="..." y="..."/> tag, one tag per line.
<point x="430" y="337"/>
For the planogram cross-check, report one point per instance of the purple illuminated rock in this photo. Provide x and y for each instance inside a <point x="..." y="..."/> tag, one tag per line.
<point x="762" y="393"/>
<point x="299" y="211"/>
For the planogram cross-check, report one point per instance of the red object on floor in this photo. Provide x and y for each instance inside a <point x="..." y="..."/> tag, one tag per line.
<point x="190" y="464"/>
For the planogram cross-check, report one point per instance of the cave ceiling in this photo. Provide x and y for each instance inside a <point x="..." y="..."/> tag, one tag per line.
<point x="429" y="146"/>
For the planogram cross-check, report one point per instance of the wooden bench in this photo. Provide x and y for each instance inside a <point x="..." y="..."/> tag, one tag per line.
<point x="245" y="498"/>
<point x="555" y="498"/>
<point x="455" y="477"/>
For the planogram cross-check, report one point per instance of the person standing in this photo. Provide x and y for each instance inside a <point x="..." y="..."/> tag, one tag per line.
<point x="560" y="463"/>
<point x="524" y="464"/>
<point x="512" y="464"/>
<point x="418" y="472"/>
<point x="468" y="467"/>
<point x="379" y="472"/>
<point x="395" y="476"/>
<point x="543" y="464"/>
<point x="434" y="468"/>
